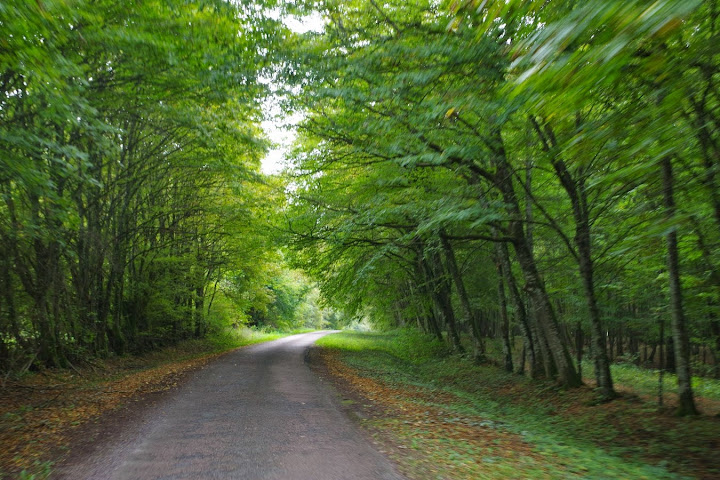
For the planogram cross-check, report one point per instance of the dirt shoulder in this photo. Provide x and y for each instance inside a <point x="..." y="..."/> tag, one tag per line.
<point x="430" y="434"/>
<point x="384" y="410"/>
<point x="51" y="415"/>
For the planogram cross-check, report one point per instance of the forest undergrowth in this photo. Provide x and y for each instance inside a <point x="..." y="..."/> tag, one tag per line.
<point x="442" y="417"/>
<point x="41" y="412"/>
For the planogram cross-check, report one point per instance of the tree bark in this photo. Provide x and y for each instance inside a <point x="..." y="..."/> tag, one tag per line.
<point x="430" y="321"/>
<point x="468" y="317"/>
<point x="528" y="329"/>
<point x="681" y="341"/>
<point x="504" y="321"/>
<point x="547" y="321"/>
<point x="576" y="192"/>
<point x="441" y="294"/>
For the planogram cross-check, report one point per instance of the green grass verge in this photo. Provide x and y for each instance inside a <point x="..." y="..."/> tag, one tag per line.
<point x="240" y="337"/>
<point x="218" y="342"/>
<point x="645" y="382"/>
<point x="590" y="443"/>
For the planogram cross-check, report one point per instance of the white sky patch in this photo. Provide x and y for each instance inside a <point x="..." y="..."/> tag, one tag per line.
<point x="309" y="23"/>
<point x="281" y="132"/>
<point x="281" y="129"/>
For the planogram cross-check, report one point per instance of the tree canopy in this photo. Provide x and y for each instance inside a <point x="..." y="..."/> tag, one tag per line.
<point x="529" y="181"/>
<point x="539" y="169"/>
<point x="130" y="172"/>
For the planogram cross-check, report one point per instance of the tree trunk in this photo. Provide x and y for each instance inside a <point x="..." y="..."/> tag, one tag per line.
<point x="650" y="359"/>
<point x="579" y="343"/>
<point x="199" y="313"/>
<point x="661" y="370"/>
<point x="715" y="349"/>
<point x="504" y="322"/>
<point x="619" y="345"/>
<point x="576" y="192"/>
<point x="669" y="365"/>
<point x="441" y="294"/>
<point x="430" y="322"/>
<point x="468" y="316"/>
<point x="681" y="341"/>
<point x="549" y="328"/>
<point x="527" y="328"/>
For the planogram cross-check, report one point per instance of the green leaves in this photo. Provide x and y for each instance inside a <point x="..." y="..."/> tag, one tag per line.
<point x="592" y="46"/>
<point x="131" y="145"/>
<point x="524" y="121"/>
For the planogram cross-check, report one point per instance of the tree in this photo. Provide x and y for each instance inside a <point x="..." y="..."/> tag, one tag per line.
<point x="132" y="143"/>
<point x="533" y="125"/>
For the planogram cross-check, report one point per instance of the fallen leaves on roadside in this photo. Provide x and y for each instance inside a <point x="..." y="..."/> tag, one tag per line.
<point x="416" y="428"/>
<point x="410" y="424"/>
<point x="38" y="413"/>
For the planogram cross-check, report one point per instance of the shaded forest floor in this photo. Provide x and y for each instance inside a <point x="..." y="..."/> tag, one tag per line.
<point x="44" y="413"/>
<point x="444" y="418"/>
<point x="438" y="417"/>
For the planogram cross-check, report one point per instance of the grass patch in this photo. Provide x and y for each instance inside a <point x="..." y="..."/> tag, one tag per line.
<point x="407" y="345"/>
<point x="645" y="382"/>
<point x="450" y="418"/>
<point x="239" y="337"/>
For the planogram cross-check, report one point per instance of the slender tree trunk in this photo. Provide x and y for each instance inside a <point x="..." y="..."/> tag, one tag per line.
<point x="549" y="328"/>
<point x="199" y="313"/>
<point x="529" y="332"/>
<point x="575" y="189"/>
<point x="504" y="322"/>
<point x="620" y="345"/>
<point x="468" y="317"/>
<point x="661" y="370"/>
<point x="715" y="349"/>
<point x="45" y="266"/>
<point x="650" y="360"/>
<point x="669" y="365"/>
<point x="634" y="346"/>
<point x="441" y="291"/>
<point x="10" y="309"/>
<point x="597" y="339"/>
<point x="529" y="204"/>
<point x="679" y="329"/>
<point x="579" y="343"/>
<point x="215" y="289"/>
<point x="431" y="323"/>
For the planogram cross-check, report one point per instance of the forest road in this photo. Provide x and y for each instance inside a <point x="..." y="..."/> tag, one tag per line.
<point x="256" y="413"/>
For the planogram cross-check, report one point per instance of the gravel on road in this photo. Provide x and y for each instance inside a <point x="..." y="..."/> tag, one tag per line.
<point x="256" y="413"/>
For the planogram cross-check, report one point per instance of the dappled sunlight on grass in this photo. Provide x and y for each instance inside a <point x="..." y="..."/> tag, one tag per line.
<point x="407" y="344"/>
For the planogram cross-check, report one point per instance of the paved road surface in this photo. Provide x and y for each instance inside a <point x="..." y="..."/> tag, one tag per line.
<point x="257" y="413"/>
